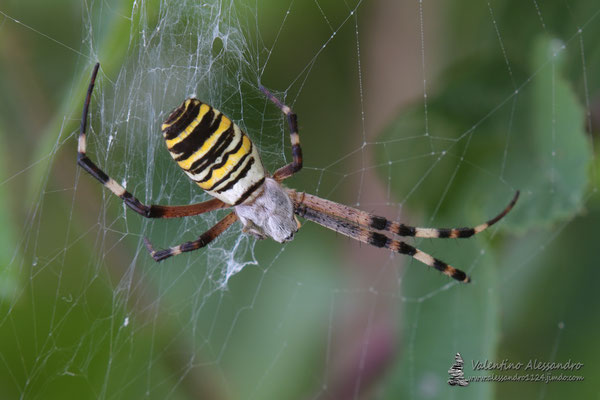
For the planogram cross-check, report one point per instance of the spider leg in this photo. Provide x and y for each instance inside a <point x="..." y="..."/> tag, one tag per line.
<point x="202" y="241"/>
<point x="296" y="164"/>
<point x="152" y="211"/>
<point x="370" y="221"/>
<point x="376" y="239"/>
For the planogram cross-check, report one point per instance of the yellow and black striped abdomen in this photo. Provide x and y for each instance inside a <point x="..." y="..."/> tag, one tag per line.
<point x="214" y="152"/>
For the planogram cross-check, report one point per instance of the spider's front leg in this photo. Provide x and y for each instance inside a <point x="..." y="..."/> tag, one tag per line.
<point x="250" y="228"/>
<point x="364" y="235"/>
<point x="374" y="222"/>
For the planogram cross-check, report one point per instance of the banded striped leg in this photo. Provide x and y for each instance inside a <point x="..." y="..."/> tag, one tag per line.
<point x="370" y="221"/>
<point x="376" y="239"/>
<point x="202" y="241"/>
<point x="152" y="211"/>
<point x="296" y="164"/>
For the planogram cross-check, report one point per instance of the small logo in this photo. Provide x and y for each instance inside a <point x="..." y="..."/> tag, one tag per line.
<point x="457" y="377"/>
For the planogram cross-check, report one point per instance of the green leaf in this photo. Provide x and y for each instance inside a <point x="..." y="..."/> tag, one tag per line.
<point x="463" y="319"/>
<point x="8" y="244"/>
<point x="485" y="140"/>
<point x="554" y="174"/>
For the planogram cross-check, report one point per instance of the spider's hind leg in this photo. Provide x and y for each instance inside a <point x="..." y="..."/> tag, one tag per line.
<point x="199" y="243"/>
<point x="151" y="211"/>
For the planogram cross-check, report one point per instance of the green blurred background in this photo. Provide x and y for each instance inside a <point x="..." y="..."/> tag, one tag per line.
<point x="434" y="113"/>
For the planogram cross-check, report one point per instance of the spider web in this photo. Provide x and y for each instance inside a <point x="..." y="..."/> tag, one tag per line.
<point x="411" y="110"/>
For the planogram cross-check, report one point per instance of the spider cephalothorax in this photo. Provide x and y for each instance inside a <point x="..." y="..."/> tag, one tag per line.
<point x="216" y="154"/>
<point x="270" y="215"/>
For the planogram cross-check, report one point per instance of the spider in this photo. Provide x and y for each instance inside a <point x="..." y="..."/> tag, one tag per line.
<point x="216" y="154"/>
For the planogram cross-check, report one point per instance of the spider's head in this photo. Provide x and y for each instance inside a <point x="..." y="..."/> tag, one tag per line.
<point x="271" y="214"/>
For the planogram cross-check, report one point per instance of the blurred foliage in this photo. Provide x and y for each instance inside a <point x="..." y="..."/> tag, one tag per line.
<point x="548" y="156"/>
<point x="8" y="242"/>
<point x="84" y="314"/>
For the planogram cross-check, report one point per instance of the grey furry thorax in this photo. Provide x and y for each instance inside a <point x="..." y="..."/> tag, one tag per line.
<point x="271" y="214"/>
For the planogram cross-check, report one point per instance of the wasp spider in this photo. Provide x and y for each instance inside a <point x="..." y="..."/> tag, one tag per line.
<point x="216" y="154"/>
